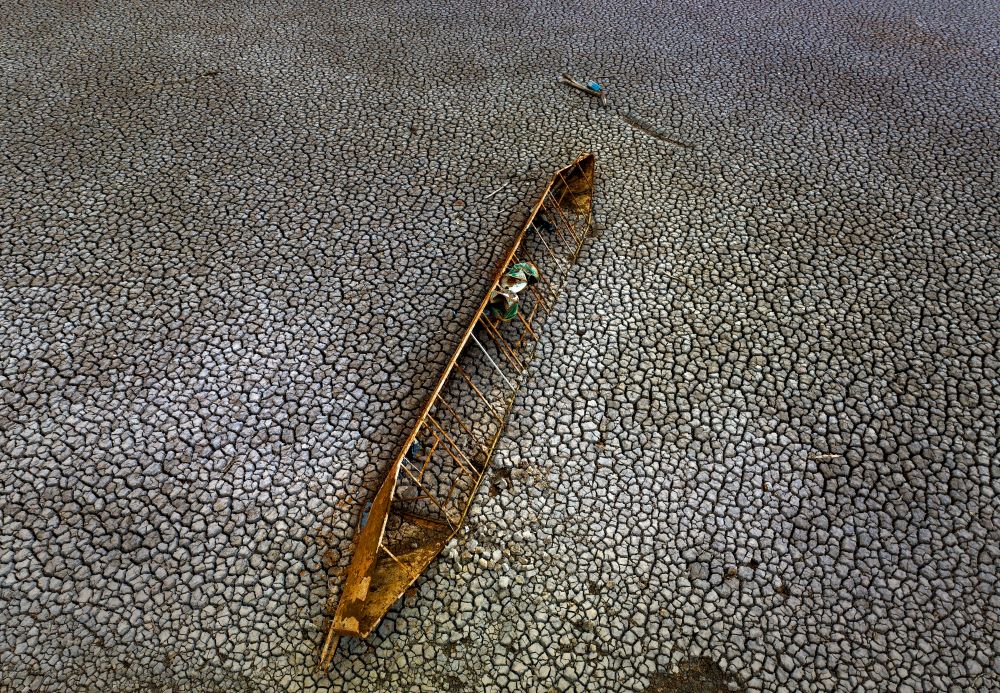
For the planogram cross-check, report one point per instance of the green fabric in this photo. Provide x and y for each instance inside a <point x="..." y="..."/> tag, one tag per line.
<point x="503" y="305"/>
<point x="527" y="269"/>
<point x="519" y="276"/>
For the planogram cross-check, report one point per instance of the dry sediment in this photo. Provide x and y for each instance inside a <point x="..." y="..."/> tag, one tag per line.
<point x="761" y="430"/>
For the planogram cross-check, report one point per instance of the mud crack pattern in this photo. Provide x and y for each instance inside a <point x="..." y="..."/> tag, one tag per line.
<point x="237" y="240"/>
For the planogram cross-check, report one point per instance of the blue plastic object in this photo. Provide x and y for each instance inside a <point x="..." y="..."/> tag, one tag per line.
<point x="594" y="85"/>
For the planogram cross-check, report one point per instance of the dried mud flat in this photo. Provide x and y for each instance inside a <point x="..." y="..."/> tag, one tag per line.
<point x="758" y="448"/>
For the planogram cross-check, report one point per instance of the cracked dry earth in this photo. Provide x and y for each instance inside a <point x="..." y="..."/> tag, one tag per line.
<point x="758" y="448"/>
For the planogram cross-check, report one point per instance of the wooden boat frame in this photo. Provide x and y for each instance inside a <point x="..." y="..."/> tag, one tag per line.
<point x="381" y="571"/>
